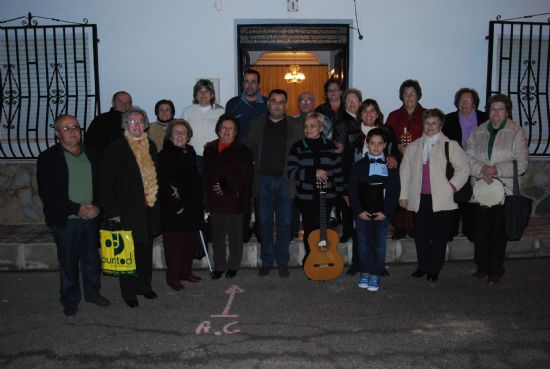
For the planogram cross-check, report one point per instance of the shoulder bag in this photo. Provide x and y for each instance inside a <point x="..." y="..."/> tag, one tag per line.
<point x="517" y="209"/>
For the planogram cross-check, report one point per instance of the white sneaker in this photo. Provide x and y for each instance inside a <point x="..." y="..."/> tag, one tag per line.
<point x="364" y="281"/>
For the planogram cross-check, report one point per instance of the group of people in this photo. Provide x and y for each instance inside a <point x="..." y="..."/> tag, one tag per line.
<point x="251" y="157"/>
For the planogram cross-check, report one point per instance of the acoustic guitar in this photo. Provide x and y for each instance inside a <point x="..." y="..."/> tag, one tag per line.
<point x="324" y="262"/>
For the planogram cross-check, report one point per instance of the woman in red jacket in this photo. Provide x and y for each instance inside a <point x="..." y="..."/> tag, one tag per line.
<point x="227" y="179"/>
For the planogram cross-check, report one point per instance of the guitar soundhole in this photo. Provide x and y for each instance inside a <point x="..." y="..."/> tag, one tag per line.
<point x="323" y="245"/>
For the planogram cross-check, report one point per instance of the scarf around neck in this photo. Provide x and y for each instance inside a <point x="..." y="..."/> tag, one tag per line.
<point x="140" y="148"/>
<point x="427" y="143"/>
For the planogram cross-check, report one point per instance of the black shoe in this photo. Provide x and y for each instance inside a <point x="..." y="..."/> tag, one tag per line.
<point x="283" y="271"/>
<point x="132" y="303"/>
<point x="231" y="273"/>
<point x="150" y="295"/>
<point x="70" y="310"/>
<point x="418" y="273"/>
<point x="432" y="277"/>
<point x="264" y="270"/>
<point x="216" y="274"/>
<point x="99" y="300"/>
<point x="352" y="270"/>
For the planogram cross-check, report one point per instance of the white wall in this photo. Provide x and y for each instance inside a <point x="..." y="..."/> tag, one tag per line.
<point x="157" y="49"/>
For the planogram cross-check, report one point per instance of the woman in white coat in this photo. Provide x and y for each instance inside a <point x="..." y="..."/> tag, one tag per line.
<point x="491" y="150"/>
<point x="427" y="192"/>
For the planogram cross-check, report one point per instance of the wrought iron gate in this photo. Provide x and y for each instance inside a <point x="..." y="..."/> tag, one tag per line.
<point x="518" y="66"/>
<point x="45" y="71"/>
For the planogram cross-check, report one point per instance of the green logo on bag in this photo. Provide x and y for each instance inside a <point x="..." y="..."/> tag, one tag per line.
<point x="117" y="243"/>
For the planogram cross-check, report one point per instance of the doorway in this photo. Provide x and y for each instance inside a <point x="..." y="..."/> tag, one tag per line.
<point x="319" y="50"/>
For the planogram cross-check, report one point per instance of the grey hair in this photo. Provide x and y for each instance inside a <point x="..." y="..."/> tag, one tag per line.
<point x="135" y="109"/>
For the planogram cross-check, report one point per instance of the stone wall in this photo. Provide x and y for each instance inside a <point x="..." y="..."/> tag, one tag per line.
<point x="20" y="204"/>
<point x="19" y="201"/>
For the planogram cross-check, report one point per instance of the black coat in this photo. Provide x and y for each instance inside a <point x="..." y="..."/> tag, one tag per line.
<point x="52" y="175"/>
<point x="122" y="191"/>
<point x="233" y="169"/>
<point x="452" y="128"/>
<point x="104" y="129"/>
<point x="178" y="168"/>
<point x="360" y="174"/>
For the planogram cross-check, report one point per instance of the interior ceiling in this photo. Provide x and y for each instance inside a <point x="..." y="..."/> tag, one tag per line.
<point x="287" y="57"/>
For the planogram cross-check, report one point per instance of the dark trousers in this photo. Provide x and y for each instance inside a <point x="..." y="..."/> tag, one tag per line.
<point x="465" y="212"/>
<point x="432" y="234"/>
<point x="77" y="243"/>
<point x="227" y="225"/>
<point x="490" y="239"/>
<point x="130" y="287"/>
<point x="347" y="220"/>
<point x="179" y="248"/>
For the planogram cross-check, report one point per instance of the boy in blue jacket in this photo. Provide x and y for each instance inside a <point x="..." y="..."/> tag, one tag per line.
<point x="374" y="193"/>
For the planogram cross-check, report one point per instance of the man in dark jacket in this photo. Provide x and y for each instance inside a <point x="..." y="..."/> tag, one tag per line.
<point x="245" y="108"/>
<point x="67" y="176"/>
<point x="249" y="105"/>
<point x="269" y="139"/>
<point x="107" y="127"/>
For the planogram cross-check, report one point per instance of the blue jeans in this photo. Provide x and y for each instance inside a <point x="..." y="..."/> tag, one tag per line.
<point x="275" y="208"/>
<point x="371" y="240"/>
<point x="78" y="242"/>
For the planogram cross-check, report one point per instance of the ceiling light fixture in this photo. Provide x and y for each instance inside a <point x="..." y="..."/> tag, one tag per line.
<point x="294" y="75"/>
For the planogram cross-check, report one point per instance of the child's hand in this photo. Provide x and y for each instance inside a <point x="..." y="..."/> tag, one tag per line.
<point x="364" y="216"/>
<point x="378" y="216"/>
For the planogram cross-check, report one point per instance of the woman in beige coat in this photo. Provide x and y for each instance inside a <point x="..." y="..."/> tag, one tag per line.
<point x="491" y="149"/>
<point x="427" y="192"/>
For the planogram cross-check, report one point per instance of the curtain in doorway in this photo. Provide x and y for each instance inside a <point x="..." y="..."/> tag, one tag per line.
<point x="272" y="76"/>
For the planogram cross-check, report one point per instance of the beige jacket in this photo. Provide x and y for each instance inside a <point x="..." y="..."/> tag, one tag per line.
<point x="410" y="174"/>
<point x="510" y="143"/>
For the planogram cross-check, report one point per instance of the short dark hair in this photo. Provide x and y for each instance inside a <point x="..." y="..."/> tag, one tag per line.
<point x="330" y="81"/>
<point x="222" y="119"/>
<point x="277" y="91"/>
<point x="371" y="102"/>
<point x="377" y="132"/>
<point x="206" y="83"/>
<point x="167" y="102"/>
<point x="500" y="98"/>
<point x="436" y="113"/>
<point x="176" y="122"/>
<point x="466" y="90"/>
<point x="410" y="83"/>
<point x="252" y="71"/>
<point x="115" y="95"/>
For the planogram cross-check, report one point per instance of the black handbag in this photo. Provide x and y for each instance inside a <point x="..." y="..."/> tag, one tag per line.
<point x="517" y="209"/>
<point x="465" y="193"/>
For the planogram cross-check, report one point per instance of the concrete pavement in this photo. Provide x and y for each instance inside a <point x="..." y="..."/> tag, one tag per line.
<point x="252" y="322"/>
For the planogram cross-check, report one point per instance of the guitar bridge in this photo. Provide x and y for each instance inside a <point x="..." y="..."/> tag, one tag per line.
<point x="323" y="265"/>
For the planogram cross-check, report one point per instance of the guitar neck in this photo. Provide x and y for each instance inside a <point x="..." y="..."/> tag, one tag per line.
<point x="323" y="216"/>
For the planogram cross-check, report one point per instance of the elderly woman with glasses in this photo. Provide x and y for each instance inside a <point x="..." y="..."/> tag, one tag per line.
<point x="129" y="189"/>
<point x="491" y="150"/>
<point x="227" y="181"/>
<point x="426" y="191"/>
<point x="181" y="209"/>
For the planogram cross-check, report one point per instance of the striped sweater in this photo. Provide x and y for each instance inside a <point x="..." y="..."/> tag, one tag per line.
<point x="306" y="156"/>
